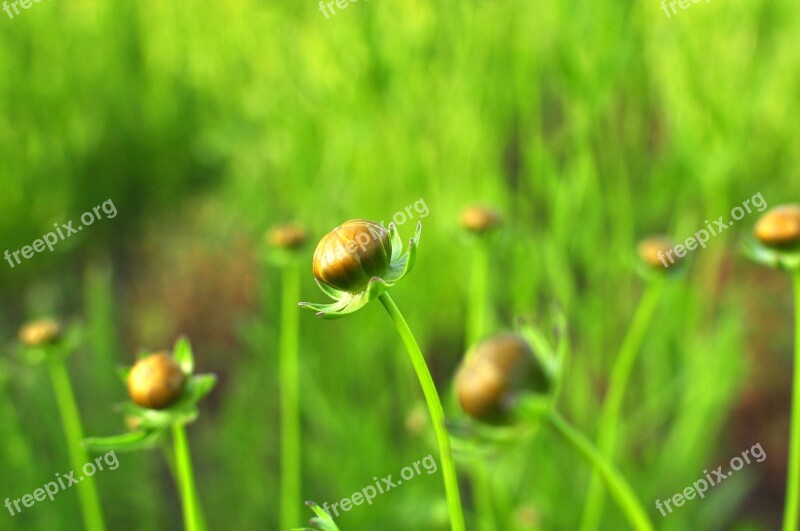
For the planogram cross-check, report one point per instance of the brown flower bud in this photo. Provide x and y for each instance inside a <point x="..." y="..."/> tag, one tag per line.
<point x="657" y="252"/>
<point x="290" y="237"/>
<point x="156" y="381"/>
<point x="351" y="254"/>
<point x="495" y="374"/>
<point x="480" y="219"/>
<point x="780" y="227"/>
<point x="40" y="332"/>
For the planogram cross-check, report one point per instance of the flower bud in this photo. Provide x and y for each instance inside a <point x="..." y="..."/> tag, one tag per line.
<point x="657" y="252"/>
<point x="156" y="381"/>
<point x="780" y="227"/>
<point x="495" y="374"/>
<point x="40" y="332"/>
<point x="351" y="254"/>
<point x="480" y="219"/>
<point x="290" y="237"/>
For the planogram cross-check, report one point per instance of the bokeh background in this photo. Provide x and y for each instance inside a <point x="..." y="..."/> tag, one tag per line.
<point x="587" y="124"/>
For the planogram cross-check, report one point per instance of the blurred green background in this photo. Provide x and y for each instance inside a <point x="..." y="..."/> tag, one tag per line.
<point x="587" y="124"/>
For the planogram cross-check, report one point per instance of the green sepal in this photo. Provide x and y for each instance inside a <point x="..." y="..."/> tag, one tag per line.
<point x="123" y="373"/>
<point x="323" y="520"/>
<point x="182" y="352"/>
<point x="160" y="419"/>
<point x="784" y="259"/>
<point x="197" y="387"/>
<point x="127" y="442"/>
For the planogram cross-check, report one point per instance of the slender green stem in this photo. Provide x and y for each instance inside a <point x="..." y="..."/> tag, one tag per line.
<point x="192" y="513"/>
<point x="291" y="502"/>
<point x="612" y="406"/>
<point x="791" y="513"/>
<point x="478" y="295"/>
<point x="476" y="328"/>
<point x="617" y="486"/>
<point x="73" y="431"/>
<point x="482" y="496"/>
<point x="435" y="410"/>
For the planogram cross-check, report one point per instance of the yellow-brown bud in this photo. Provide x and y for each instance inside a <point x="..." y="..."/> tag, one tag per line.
<point x="290" y="237"/>
<point x="480" y="219"/>
<point x="40" y="332"/>
<point x="156" y="381"/>
<point x="351" y="254"/>
<point x="658" y="252"/>
<point x="495" y="374"/>
<point x="780" y="227"/>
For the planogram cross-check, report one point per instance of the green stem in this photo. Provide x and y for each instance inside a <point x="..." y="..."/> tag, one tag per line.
<point x="482" y="496"/>
<point x="435" y="410"/>
<point x="792" y="508"/>
<point x="612" y="406"/>
<point x="291" y="502"/>
<point x="617" y="486"/>
<point x="476" y="327"/>
<point x="70" y="420"/>
<point x="192" y="513"/>
<point x="478" y="295"/>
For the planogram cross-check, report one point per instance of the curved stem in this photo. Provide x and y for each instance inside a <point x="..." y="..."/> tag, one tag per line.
<point x="435" y="410"/>
<point x="612" y="406"/>
<point x="791" y="513"/>
<point x="476" y="325"/>
<point x="291" y="502"/>
<point x="617" y="486"/>
<point x="192" y="514"/>
<point x="73" y="431"/>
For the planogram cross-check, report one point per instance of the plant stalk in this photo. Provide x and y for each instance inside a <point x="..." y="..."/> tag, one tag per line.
<point x="478" y="296"/>
<point x="291" y="466"/>
<point x="612" y="406"/>
<point x="435" y="410"/>
<point x="192" y="513"/>
<point x="791" y="513"/>
<point x="73" y="431"/>
<point x="617" y="486"/>
<point x="476" y="328"/>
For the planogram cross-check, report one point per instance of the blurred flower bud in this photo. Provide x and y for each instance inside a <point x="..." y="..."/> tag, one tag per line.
<point x="495" y="374"/>
<point x="480" y="219"/>
<point x="290" y="237"/>
<point x="351" y="254"/>
<point x="156" y="381"/>
<point x="417" y="420"/>
<point x="780" y="227"/>
<point x="657" y="252"/>
<point x="40" y="332"/>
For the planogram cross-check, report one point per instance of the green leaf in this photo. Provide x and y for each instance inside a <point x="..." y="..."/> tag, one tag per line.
<point x="182" y="352"/>
<point x="126" y="442"/>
